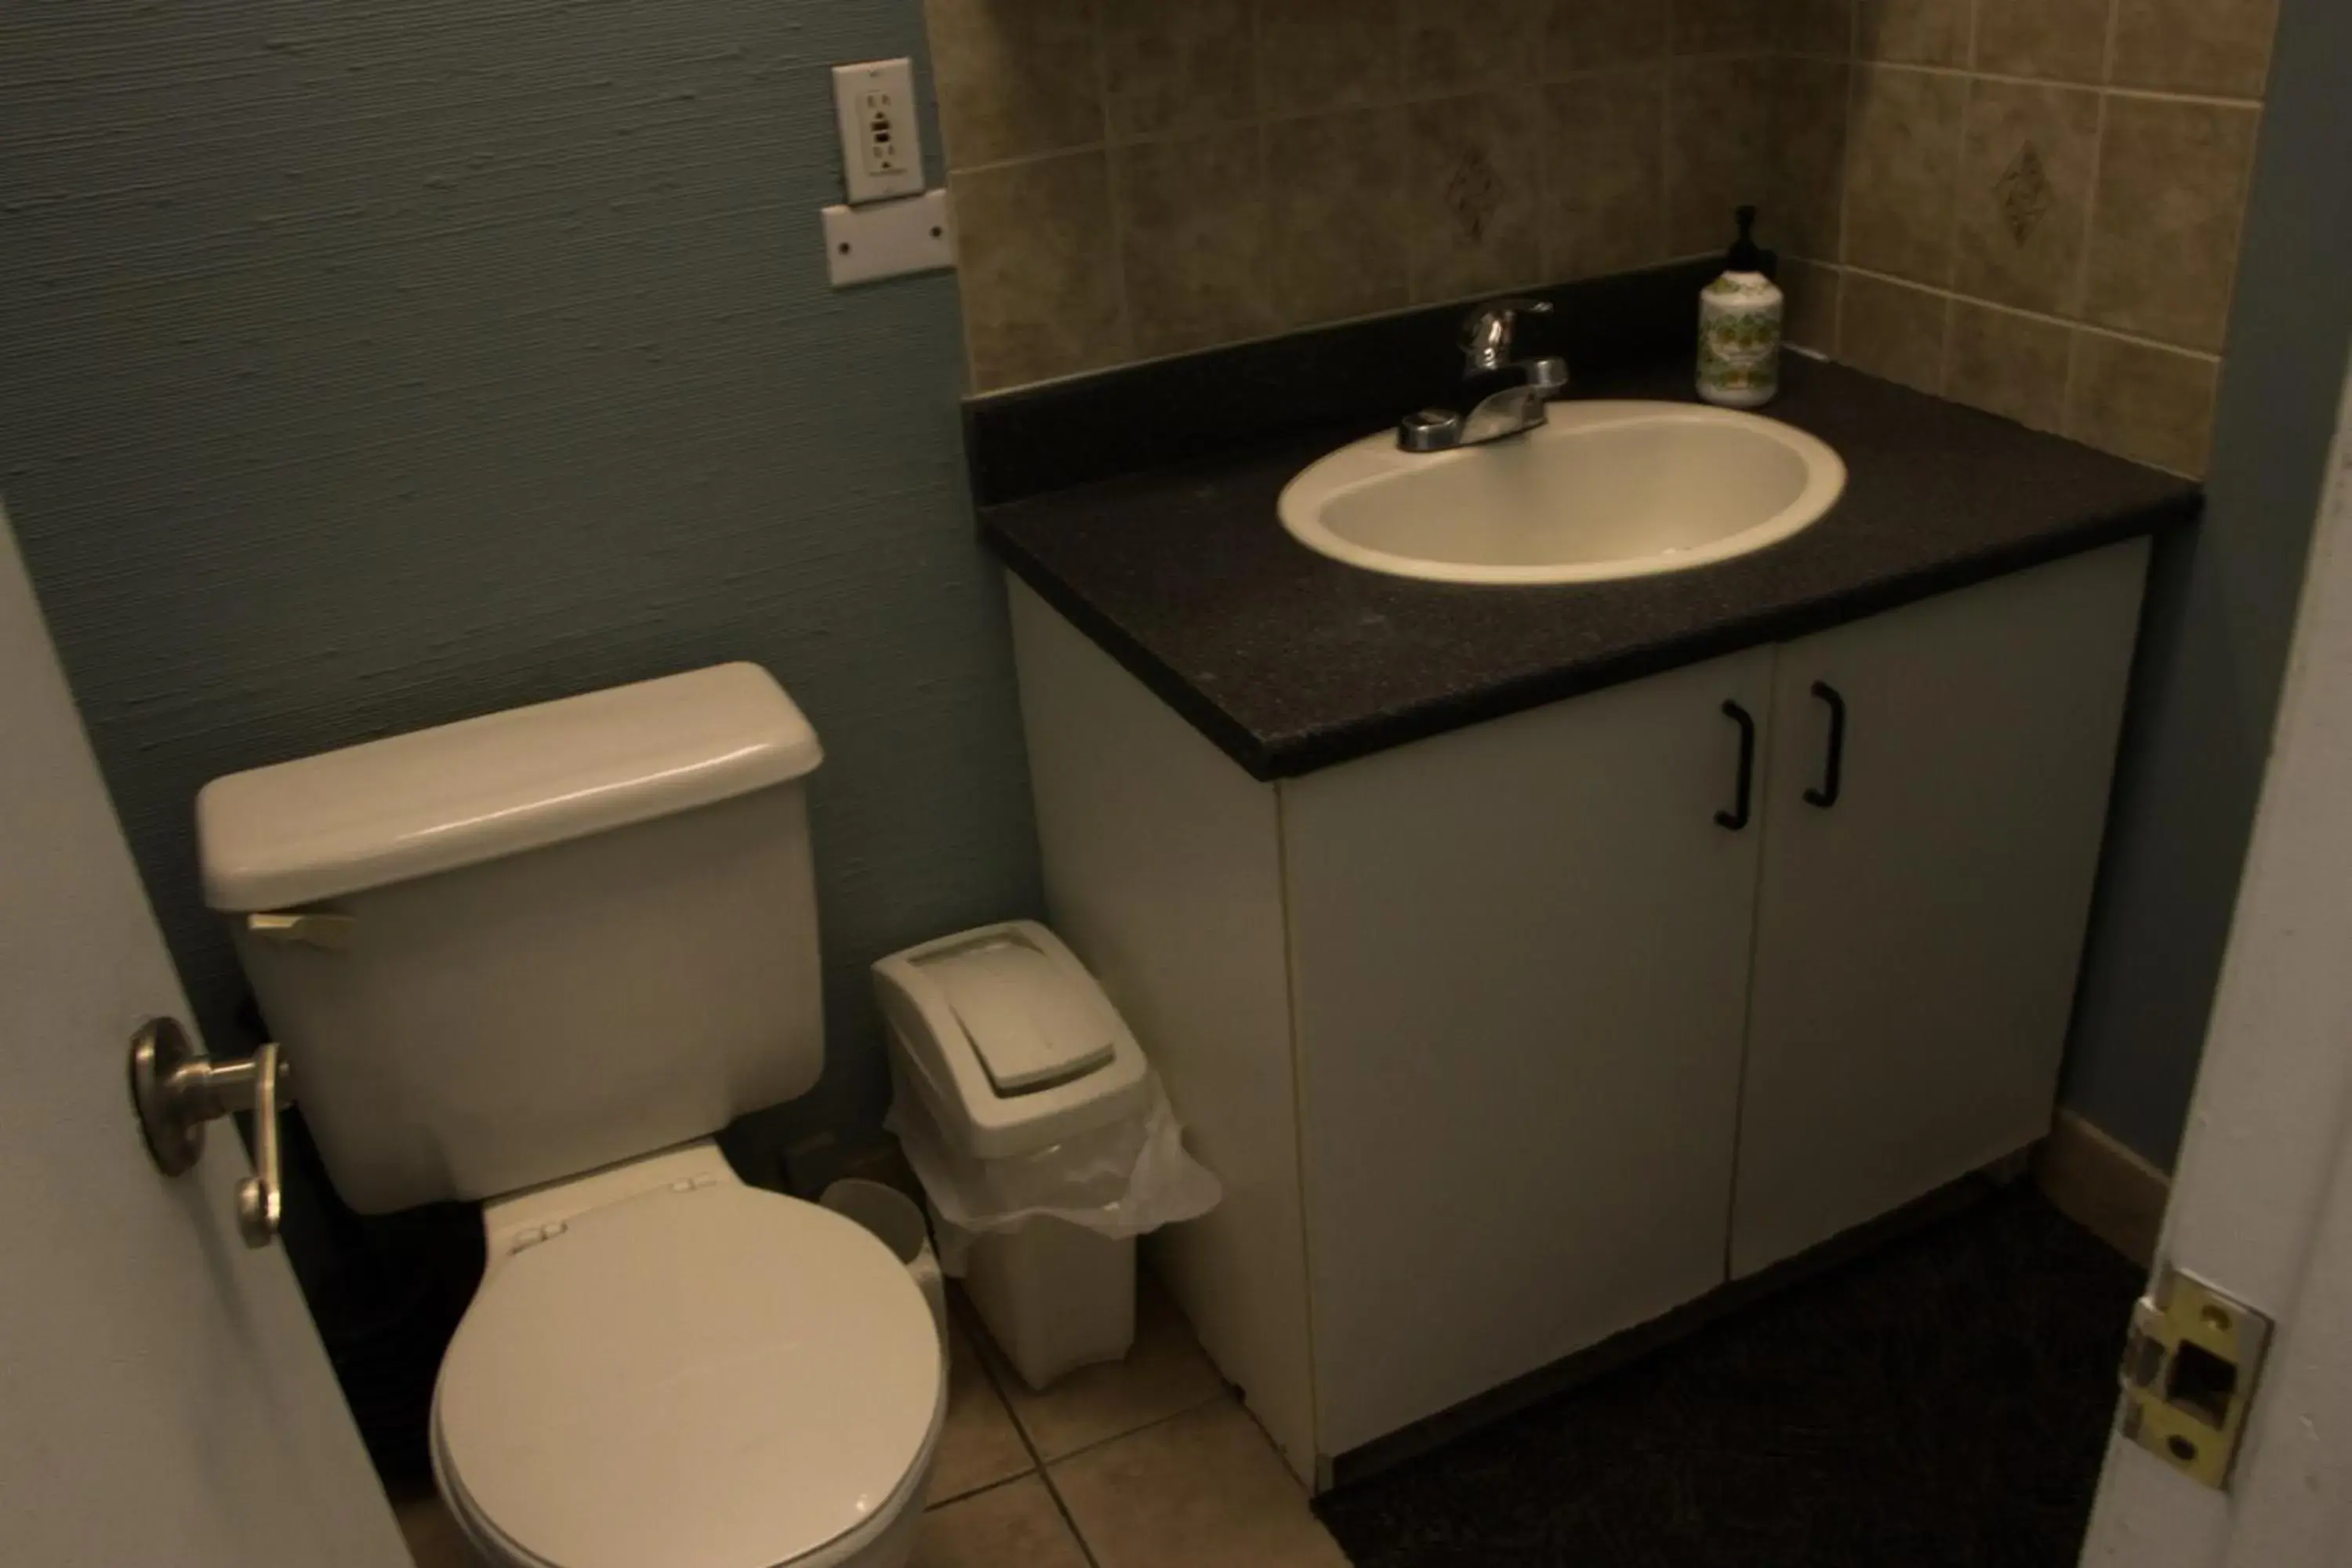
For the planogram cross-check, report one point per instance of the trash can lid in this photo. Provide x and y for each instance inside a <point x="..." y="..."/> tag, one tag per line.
<point x="1030" y="1029"/>
<point x="1009" y="1040"/>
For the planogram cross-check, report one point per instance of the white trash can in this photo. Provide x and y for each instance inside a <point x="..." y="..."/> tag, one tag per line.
<point x="1042" y="1139"/>
<point x="1056" y="1296"/>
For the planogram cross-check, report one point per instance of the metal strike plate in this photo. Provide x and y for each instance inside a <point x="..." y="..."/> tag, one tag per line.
<point x="2188" y="1373"/>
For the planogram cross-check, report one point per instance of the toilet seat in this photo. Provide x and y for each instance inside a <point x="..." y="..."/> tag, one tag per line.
<point x="718" y="1377"/>
<point x="869" y="1542"/>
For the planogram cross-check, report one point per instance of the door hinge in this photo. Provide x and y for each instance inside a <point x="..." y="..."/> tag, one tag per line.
<point x="2189" y="1369"/>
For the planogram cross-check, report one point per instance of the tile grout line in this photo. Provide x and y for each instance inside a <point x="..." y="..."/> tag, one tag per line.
<point x="1224" y="1391"/>
<point x="1040" y="1469"/>
<point x="2011" y="78"/>
<point x="2139" y="340"/>
<point x="1846" y="155"/>
<point x="2079" y="290"/>
<point x="1662" y="234"/>
<point x="1951" y="314"/>
<point x="1069" y="1520"/>
<point x="970" y="378"/>
<point x="1959" y="180"/>
<point x="2066" y="383"/>
<point x="933" y="1505"/>
<point x="1547" y="204"/>
<point x="1969" y="100"/>
<point x="2237" y="251"/>
<point x="1842" y="269"/>
<point x="1667" y="98"/>
<point x="1952" y="227"/>
<point x="1277" y="305"/>
<point x="1111" y="181"/>
<point x="1045" y="1470"/>
<point x="1402" y="29"/>
<point x="1261" y="292"/>
<point x="1335" y="322"/>
<point x="1111" y="142"/>
<point x="1837" y="308"/>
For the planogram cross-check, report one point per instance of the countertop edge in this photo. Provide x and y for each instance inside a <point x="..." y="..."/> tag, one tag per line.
<point x="1283" y="757"/>
<point x="1222" y="731"/>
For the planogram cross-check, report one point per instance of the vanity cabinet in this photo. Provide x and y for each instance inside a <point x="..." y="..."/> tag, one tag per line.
<point x="1510" y="1039"/>
<point x="1518" y="965"/>
<point x="1917" y="932"/>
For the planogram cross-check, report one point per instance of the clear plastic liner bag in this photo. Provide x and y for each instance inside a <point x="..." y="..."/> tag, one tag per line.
<point x="1119" y="1180"/>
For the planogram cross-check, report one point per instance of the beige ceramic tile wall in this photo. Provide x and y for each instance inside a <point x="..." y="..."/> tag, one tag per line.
<point x="2031" y="205"/>
<point x="1142" y="177"/>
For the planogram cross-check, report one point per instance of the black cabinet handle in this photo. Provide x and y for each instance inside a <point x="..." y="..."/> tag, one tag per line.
<point x="1737" y="817"/>
<point x="1834" y="770"/>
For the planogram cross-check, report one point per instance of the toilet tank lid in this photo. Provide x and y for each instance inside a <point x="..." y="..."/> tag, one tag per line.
<point x="433" y="800"/>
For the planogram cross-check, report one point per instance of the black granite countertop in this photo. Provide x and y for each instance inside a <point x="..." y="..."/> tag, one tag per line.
<point x="1291" y="662"/>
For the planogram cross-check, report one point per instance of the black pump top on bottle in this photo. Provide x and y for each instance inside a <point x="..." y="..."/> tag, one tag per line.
<point x="1746" y="255"/>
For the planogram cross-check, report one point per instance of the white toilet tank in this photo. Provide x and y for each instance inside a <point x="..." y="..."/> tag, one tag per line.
<point x="510" y="950"/>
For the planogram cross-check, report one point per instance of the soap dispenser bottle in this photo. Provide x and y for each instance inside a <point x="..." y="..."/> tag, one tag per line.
<point x="1739" y="327"/>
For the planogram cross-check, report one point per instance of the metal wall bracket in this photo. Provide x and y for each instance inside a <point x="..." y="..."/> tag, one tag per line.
<point x="176" y="1088"/>
<point x="2189" y="1369"/>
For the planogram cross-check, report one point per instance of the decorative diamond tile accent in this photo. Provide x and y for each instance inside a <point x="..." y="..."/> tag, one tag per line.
<point x="2024" y="193"/>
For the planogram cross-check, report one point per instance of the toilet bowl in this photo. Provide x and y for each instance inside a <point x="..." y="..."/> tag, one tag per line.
<point x="535" y="959"/>
<point x="664" y="1367"/>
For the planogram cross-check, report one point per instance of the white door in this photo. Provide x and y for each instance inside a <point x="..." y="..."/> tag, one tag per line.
<point x="1922" y="914"/>
<point x="1519" y="957"/>
<point x="2262" y="1205"/>
<point x="164" y="1398"/>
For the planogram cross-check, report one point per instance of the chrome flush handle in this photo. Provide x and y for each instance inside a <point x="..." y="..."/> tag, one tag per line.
<point x="176" y="1088"/>
<point x="310" y="928"/>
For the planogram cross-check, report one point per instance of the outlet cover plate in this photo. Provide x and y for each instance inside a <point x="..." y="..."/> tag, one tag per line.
<point x="888" y="240"/>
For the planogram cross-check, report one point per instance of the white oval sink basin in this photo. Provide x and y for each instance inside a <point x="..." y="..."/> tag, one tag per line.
<point x="1604" y="490"/>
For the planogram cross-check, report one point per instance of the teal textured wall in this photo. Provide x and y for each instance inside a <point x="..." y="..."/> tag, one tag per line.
<point x="368" y="365"/>
<point x="2221" y="614"/>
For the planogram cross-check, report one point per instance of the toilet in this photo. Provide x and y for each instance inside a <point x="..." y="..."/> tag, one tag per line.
<point x="537" y="959"/>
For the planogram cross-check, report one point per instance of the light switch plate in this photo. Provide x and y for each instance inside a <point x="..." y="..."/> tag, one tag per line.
<point x="886" y="239"/>
<point x="881" y="142"/>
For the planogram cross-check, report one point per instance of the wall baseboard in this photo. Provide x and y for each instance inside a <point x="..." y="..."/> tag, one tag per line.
<point x="2103" y="1186"/>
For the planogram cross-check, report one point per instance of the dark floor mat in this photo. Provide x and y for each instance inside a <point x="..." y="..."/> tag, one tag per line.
<point x="1942" y="1403"/>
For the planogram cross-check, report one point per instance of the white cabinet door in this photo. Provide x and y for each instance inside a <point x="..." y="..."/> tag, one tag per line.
<point x="1917" y="932"/>
<point x="1519" y="967"/>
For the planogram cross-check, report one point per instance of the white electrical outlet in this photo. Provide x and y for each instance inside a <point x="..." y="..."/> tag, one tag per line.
<point x="881" y="146"/>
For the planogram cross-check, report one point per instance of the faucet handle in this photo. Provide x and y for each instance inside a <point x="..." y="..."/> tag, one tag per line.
<point x="1486" y="332"/>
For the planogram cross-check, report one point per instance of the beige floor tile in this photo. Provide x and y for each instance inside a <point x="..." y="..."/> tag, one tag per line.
<point x="1204" y="1488"/>
<point x="1164" y="1374"/>
<point x="432" y="1537"/>
<point x="979" y="1444"/>
<point x="1012" y="1526"/>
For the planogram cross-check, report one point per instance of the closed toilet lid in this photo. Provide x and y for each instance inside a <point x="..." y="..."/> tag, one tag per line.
<point x="717" y="1378"/>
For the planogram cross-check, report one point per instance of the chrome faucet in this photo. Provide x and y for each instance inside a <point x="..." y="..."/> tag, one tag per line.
<point x="1518" y="406"/>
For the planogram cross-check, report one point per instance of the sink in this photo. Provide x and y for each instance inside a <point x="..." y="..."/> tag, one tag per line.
<point x="1602" y="489"/>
